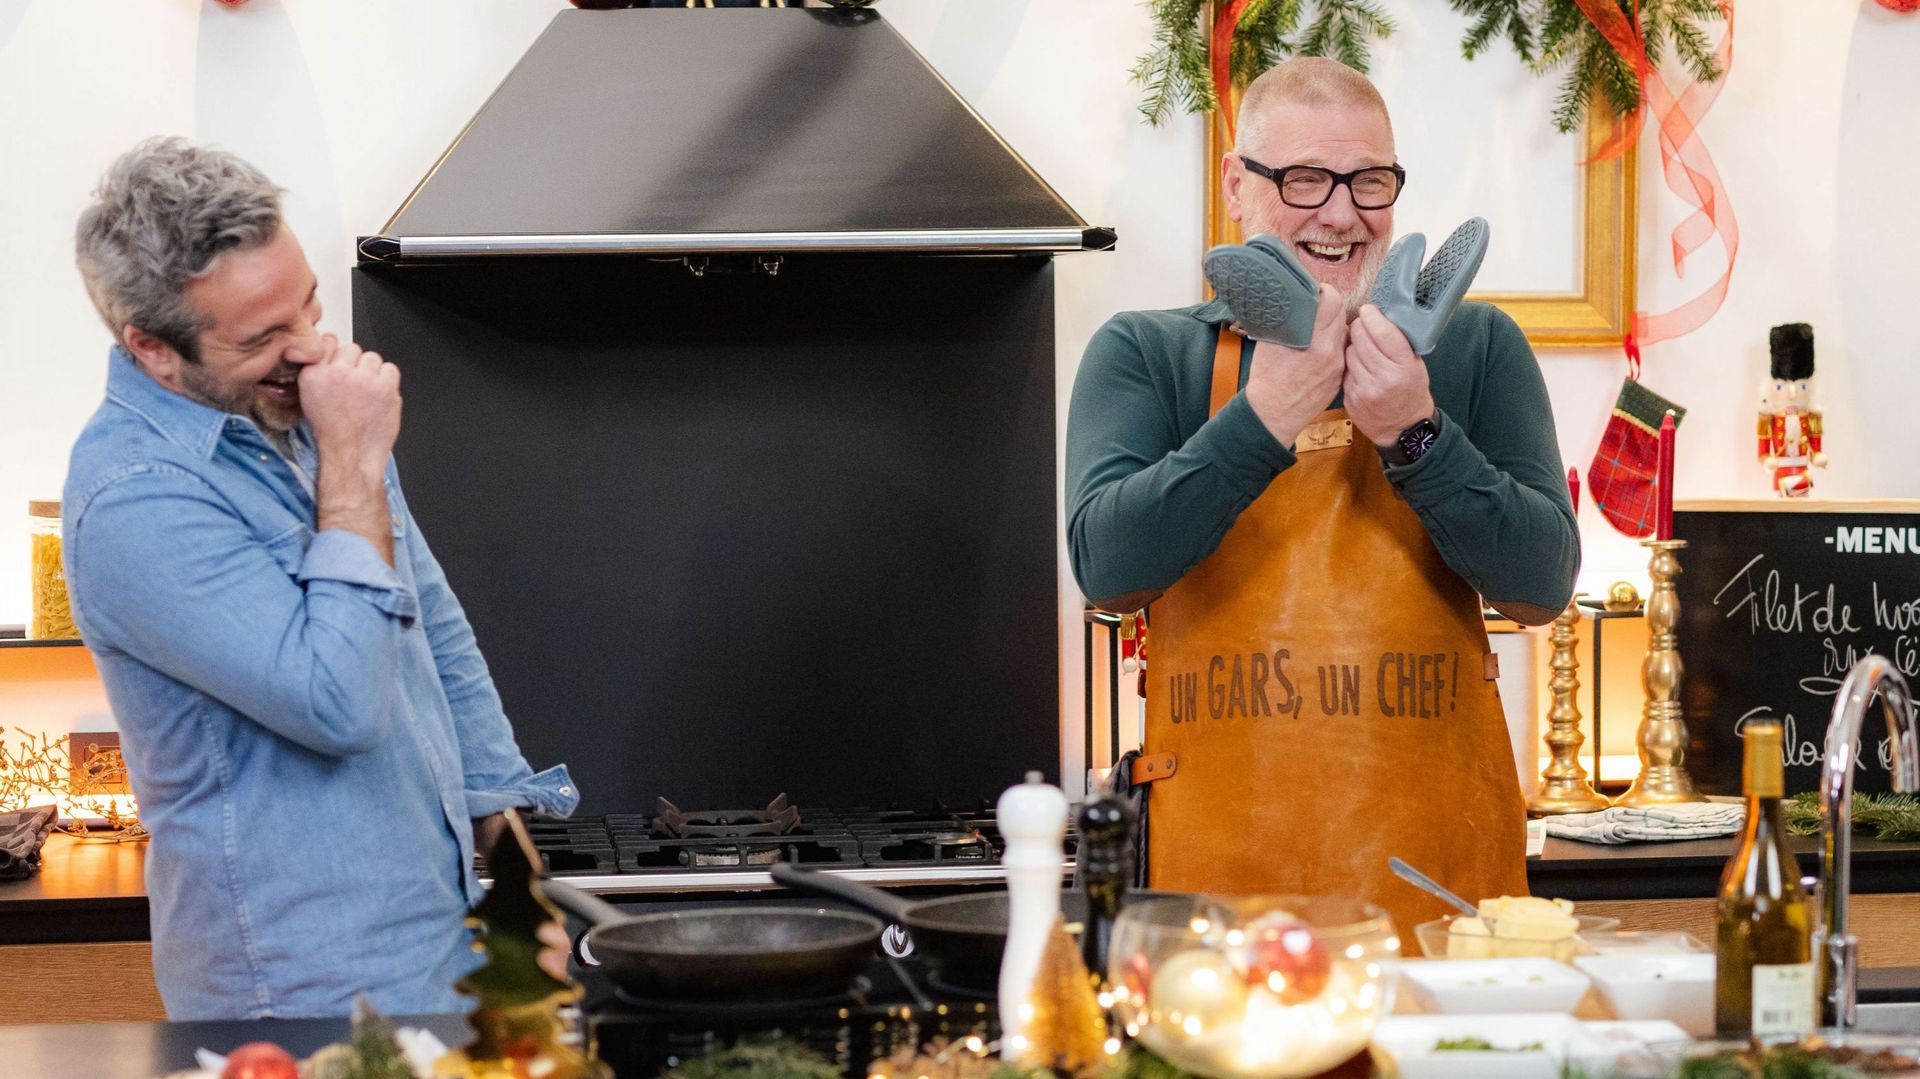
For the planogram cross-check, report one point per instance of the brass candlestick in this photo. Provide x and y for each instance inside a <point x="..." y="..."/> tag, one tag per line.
<point x="1662" y="739"/>
<point x="1563" y="784"/>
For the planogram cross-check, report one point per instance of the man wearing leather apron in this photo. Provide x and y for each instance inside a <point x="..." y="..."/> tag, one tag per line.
<point x="1316" y="528"/>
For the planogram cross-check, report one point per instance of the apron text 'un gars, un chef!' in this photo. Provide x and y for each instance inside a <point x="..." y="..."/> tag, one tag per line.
<point x="1324" y="683"/>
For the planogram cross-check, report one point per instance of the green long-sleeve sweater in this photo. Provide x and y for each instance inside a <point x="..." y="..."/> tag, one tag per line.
<point x="1153" y="483"/>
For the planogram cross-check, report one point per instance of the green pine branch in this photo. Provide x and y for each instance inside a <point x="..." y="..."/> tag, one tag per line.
<point x="1176" y="72"/>
<point x="1555" y="35"/>
<point x="1884" y="816"/>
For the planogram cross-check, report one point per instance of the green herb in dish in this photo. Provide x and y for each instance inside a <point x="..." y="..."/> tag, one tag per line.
<point x="1472" y="1044"/>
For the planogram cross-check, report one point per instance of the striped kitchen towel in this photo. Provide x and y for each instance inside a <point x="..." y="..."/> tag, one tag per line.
<point x="1622" y="824"/>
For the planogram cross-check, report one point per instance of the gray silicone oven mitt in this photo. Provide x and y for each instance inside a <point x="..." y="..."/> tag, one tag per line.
<point x="1421" y="300"/>
<point x="1270" y="295"/>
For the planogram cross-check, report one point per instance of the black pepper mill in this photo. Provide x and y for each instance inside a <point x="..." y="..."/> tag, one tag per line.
<point x="1104" y="866"/>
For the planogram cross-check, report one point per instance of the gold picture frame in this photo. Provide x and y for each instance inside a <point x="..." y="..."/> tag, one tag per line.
<point x="1599" y="312"/>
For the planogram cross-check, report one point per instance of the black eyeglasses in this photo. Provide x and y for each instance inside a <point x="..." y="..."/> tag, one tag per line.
<point x="1308" y="187"/>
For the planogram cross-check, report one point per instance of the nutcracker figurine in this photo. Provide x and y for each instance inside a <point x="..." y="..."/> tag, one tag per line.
<point x="1790" y="428"/>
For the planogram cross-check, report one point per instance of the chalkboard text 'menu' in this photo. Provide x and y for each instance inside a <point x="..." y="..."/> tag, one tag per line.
<point x="1874" y="539"/>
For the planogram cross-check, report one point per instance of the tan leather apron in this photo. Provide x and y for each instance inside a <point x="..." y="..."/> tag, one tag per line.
<point x="1324" y="684"/>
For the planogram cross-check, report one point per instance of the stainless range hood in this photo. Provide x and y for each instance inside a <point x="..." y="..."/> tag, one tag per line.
<point x="683" y="132"/>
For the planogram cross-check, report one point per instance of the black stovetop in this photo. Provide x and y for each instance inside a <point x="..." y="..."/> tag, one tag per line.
<point x="882" y="837"/>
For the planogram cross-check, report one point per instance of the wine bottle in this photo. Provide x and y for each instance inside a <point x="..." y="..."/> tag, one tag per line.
<point x="1764" y="983"/>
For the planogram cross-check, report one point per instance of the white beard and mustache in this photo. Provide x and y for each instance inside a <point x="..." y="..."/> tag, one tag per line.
<point x="1375" y="255"/>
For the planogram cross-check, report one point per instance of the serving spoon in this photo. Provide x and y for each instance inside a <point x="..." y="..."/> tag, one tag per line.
<point x="1430" y="886"/>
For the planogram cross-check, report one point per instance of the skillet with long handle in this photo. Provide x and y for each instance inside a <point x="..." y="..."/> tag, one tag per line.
<point x="960" y="936"/>
<point x="724" y="954"/>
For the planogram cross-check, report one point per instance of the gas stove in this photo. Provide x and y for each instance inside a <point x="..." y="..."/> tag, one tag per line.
<point x="893" y="1008"/>
<point x="677" y="850"/>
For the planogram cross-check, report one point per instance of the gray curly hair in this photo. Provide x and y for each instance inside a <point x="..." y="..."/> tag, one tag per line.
<point x="163" y="213"/>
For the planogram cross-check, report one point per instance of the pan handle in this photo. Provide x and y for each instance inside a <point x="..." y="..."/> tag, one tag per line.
<point x="581" y="904"/>
<point x="864" y="896"/>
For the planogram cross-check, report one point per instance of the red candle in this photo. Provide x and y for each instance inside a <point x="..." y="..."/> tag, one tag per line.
<point x="1573" y="489"/>
<point x="1663" y="507"/>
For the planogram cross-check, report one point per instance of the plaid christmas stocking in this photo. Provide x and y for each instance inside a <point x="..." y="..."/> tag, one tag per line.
<point x="1621" y="476"/>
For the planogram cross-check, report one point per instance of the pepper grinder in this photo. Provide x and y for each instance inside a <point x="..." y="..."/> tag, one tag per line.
<point x="1104" y="865"/>
<point x="1033" y="819"/>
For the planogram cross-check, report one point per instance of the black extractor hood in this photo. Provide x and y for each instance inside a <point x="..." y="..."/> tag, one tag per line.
<point x="660" y="131"/>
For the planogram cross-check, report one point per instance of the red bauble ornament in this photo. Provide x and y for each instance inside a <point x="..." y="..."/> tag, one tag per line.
<point x="260" y="1060"/>
<point x="1900" y="5"/>
<point x="1138" y="975"/>
<point x="1289" y="958"/>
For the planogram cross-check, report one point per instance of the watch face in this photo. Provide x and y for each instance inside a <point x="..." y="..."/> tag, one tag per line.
<point x="1415" y="441"/>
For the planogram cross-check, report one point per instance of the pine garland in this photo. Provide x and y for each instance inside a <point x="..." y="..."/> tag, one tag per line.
<point x="1176" y="71"/>
<point x="1887" y="816"/>
<point x="1548" y="35"/>
<point x="1551" y="35"/>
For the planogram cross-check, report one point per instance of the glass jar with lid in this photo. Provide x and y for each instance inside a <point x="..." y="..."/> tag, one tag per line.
<point x="52" y="615"/>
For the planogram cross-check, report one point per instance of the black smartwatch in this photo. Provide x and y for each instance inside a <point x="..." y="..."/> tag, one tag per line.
<point x="1414" y="442"/>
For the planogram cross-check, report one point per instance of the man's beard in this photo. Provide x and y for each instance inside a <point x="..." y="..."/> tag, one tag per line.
<point x="1369" y="273"/>
<point x="1375" y="247"/>
<point x="200" y="386"/>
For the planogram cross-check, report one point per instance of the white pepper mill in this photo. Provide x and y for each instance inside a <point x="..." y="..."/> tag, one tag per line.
<point x="1033" y="819"/>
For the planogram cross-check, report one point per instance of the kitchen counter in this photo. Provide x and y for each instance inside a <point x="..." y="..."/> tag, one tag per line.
<point x="1690" y="869"/>
<point x="149" y="1050"/>
<point x="95" y="891"/>
<point x="86" y="890"/>
<point x="77" y="931"/>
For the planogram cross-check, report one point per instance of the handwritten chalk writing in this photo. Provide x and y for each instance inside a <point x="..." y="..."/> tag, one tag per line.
<point x="1769" y="609"/>
<point x="1895" y="614"/>
<point x="1796" y="752"/>
<point x="1906" y="655"/>
<point x="1835" y="659"/>
<point x="1415" y="684"/>
<point x="1339" y="689"/>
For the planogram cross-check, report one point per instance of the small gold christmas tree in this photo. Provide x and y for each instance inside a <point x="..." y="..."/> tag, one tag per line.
<point x="1068" y="1031"/>
<point x="517" y="1022"/>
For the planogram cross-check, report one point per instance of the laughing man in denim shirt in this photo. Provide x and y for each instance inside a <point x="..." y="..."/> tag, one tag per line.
<point x="312" y="734"/>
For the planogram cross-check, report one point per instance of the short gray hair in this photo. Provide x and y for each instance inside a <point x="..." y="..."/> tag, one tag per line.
<point x="1303" y="80"/>
<point x="163" y="213"/>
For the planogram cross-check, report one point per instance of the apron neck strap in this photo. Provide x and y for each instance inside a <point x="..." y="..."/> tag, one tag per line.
<point x="1226" y="370"/>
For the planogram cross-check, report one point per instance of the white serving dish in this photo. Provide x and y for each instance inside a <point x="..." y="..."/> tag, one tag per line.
<point x="1641" y="942"/>
<point x="1410" y="1041"/>
<point x="1479" y="986"/>
<point x="1673" y="987"/>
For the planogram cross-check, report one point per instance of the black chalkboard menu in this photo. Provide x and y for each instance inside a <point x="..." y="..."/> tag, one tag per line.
<point x="1778" y="600"/>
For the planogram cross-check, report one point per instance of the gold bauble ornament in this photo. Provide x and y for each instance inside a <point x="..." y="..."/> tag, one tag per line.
<point x="1196" y="991"/>
<point x="1622" y="596"/>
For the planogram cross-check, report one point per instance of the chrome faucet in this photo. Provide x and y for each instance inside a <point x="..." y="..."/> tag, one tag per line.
<point x="1837" y="951"/>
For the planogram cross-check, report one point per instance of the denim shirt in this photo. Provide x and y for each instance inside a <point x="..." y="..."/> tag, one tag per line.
<point x="308" y="730"/>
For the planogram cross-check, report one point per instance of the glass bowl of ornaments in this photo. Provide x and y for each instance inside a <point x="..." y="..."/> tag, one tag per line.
<point x="1252" y="987"/>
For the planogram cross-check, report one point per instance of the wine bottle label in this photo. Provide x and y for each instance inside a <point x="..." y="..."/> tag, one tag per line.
<point x="1783" y="998"/>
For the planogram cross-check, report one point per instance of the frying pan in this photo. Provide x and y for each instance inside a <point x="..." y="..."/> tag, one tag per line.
<point x="961" y="937"/>
<point x="733" y="954"/>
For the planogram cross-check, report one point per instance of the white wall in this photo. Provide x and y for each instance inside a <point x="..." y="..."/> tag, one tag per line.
<point x="347" y="102"/>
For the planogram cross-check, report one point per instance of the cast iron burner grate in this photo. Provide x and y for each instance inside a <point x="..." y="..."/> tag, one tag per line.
<point x="639" y="849"/>
<point x="676" y="840"/>
<point x="672" y="822"/>
<point x="930" y="848"/>
<point x="574" y="847"/>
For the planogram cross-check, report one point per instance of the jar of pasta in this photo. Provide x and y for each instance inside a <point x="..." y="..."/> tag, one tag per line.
<point x="52" y="617"/>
